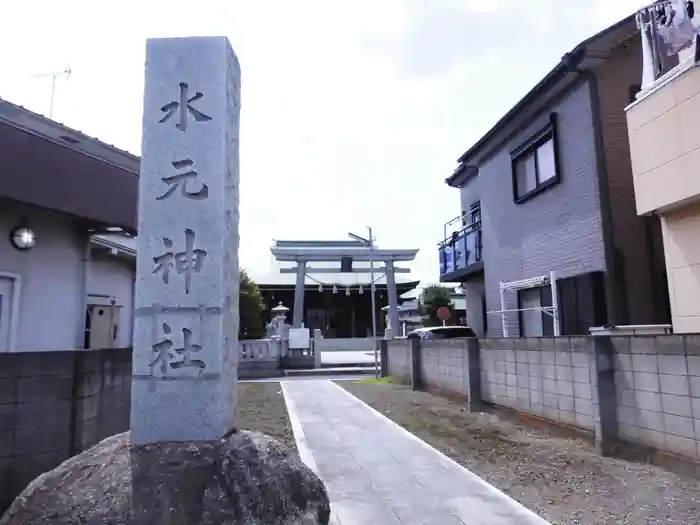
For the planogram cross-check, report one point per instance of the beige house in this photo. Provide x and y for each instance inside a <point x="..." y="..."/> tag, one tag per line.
<point x="664" y="133"/>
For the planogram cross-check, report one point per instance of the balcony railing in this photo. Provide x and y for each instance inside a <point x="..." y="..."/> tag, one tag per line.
<point x="669" y="30"/>
<point x="462" y="248"/>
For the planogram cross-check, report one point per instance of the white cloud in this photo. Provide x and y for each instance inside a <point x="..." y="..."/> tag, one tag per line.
<point x="353" y="113"/>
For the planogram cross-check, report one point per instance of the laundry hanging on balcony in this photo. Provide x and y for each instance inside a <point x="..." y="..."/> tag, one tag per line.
<point x="674" y="24"/>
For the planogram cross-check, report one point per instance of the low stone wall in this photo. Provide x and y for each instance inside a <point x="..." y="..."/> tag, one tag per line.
<point x="259" y="358"/>
<point x="399" y="359"/>
<point x="443" y="365"/>
<point x="649" y="385"/>
<point x="54" y="405"/>
<point x="552" y="378"/>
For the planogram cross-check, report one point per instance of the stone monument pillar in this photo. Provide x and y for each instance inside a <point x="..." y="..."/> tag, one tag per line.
<point x="187" y="283"/>
<point x="186" y="324"/>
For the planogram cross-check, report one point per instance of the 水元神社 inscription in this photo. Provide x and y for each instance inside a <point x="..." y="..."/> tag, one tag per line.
<point x="186" y="322"/>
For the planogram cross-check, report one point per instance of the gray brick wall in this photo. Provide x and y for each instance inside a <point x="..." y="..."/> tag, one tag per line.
<point x="558" y="229"/>
<point x="546" y="377"/>
<point x="399" y="352"/>
<point x="54" y="405"/>
<point x="656" y="382"/>
<point x="658" y="391"/>
<point x="444" y="365"/>
<point x="474" y="291"/>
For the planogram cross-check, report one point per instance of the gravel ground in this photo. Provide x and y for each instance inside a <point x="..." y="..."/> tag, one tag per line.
<point x="560" y="478"/>
<point x="261" y="407"/>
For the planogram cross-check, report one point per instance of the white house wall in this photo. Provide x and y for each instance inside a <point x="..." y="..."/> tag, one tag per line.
<point x="114" y="277"/>
<point x="49" y="302"/>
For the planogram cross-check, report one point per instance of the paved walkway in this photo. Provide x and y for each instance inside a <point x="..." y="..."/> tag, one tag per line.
<point x="378" y="473"/>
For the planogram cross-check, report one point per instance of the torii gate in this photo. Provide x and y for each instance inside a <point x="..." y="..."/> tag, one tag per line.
<point x="303" y="252"/>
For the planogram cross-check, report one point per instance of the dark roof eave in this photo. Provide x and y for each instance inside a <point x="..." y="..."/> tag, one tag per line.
<point x="461" y="175"/>
<point x="566" y="64"/>
<point x="554" y="76"/>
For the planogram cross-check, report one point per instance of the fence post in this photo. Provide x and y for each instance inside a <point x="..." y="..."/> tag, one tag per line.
<point x="472" y="376"/>
<point x="603" y="380"/>
<point x="416" y="365"/>
<point x="384" y="357"/>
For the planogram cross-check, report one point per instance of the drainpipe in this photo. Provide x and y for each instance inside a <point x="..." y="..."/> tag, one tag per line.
<point x="83" y="277"/>
<point x="613" y="294"/>
<point x="133" y="307"/>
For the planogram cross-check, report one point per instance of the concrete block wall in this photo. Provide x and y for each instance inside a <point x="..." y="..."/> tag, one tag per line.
<point x="444" y="365"/>
<point x="639" y="389"/>
<point x="399" y="352"/>
<point x="54" y="405"/>
<point x="546" y="377"/>
<point x="658" y="391"/>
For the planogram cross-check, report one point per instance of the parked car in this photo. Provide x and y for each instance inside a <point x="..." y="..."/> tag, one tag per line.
<point x="441" y="332"/>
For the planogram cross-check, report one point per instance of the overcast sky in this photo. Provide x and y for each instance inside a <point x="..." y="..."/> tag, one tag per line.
<point x="353" y="113"/>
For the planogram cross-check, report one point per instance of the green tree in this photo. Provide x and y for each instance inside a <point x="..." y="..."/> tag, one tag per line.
<point x="433" y="297"/>
<point x="251" y="308"/>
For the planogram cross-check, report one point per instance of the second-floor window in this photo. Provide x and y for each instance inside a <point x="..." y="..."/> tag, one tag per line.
<point x="535" y="163"/>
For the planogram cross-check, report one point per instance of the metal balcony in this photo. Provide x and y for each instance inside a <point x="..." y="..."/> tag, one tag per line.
<point x="460" y="252"/>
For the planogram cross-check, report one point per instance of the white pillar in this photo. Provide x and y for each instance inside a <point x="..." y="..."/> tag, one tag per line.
<point x="298" y="318"/>
<point x="556" y="326"/>
<point x="187" y="283"/>
<point x="504" y="321"/>
<point x="648" y="59"/>
<point x="393" y="299"/>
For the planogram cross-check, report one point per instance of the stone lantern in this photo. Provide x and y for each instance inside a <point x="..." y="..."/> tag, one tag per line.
<point x="278" y="322"/>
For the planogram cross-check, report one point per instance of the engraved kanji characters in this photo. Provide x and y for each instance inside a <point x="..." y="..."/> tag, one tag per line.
<point x="187" y="262"/>
<point x="175" y="358"/>
<point x="181" y="180"/>
<point x="184" y="107"/>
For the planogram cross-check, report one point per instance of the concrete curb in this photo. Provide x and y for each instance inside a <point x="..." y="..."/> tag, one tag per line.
<point x="305" y="453"/>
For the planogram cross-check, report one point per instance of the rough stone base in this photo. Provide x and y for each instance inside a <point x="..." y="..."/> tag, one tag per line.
<point x="246" y="478"/>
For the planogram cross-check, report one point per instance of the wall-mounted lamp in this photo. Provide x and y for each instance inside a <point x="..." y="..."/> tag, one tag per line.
<point x="347" y="290"/>
<point x="23" y="238"/>
<point x="320" y="287"/>
<point x="360" y="290"/>
<point x="335" y="289"/>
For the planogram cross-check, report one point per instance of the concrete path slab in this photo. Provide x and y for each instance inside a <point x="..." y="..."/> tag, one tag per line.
<point x="377" y="472"/>
<point x="340" y="358"/>
<point x="330" y="371"/>
<point x="305" y="378"/>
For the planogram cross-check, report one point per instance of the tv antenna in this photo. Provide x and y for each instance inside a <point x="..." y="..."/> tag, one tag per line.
<point x="66" y="72"/>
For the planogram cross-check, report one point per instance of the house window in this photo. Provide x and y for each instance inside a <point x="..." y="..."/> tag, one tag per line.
<point x="475" y="214"/>
<point x="534" y="163"/>
<point x="535" y="323"/>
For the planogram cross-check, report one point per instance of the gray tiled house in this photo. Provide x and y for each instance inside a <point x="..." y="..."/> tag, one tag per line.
<point x="549" y="189"/>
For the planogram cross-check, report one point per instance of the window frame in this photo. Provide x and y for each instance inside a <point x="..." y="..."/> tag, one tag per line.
<point x="530" y="146"/>
<point x="545" y="296"/>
